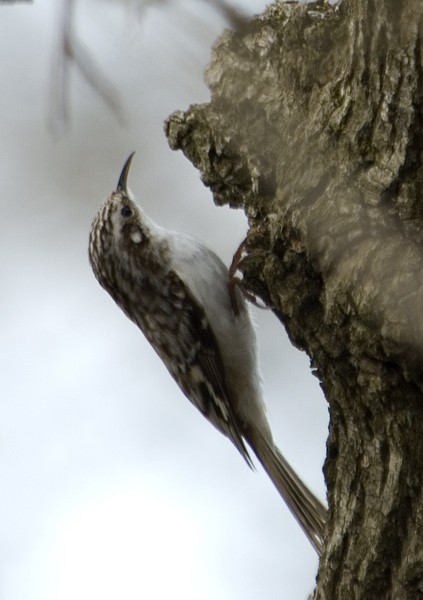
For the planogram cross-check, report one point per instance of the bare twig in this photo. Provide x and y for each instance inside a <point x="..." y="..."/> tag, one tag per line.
<point x="71" y="51"/>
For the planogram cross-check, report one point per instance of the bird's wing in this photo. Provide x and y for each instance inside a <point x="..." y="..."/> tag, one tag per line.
<point x="189" y="349"/>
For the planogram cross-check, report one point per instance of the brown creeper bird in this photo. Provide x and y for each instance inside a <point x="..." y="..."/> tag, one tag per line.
<point x="176" y="291"/>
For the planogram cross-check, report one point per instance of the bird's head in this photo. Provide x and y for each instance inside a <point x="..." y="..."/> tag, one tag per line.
<point x="125" y="217"/>
<point x="119" y="228"/>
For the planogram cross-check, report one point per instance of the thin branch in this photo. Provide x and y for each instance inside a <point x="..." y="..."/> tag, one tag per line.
<point x="71" y="51"/>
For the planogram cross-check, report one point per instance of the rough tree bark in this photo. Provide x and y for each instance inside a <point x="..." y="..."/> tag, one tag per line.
<point x="315" y="128"/>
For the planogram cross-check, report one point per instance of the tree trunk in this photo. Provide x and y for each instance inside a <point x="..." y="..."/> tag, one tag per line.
<point x="315" y="128"/>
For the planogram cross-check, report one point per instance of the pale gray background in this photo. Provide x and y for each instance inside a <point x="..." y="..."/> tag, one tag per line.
<point x="112" y="485"/>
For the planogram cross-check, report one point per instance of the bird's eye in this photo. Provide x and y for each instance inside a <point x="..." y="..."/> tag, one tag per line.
<point x="126" y="211"/>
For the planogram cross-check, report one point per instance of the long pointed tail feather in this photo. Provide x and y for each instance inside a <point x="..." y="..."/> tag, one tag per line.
<point x="303" y="504"/>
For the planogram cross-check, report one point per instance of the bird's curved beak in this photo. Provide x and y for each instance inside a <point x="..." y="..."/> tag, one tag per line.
<point x="122" y="183"/>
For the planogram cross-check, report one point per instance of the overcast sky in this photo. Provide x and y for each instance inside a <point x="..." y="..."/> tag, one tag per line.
<point x="113" y="485"/>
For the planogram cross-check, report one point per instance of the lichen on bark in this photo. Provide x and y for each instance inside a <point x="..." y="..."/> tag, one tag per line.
<point x="315" y="128"/>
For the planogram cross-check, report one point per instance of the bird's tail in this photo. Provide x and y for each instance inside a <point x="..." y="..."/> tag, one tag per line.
<point x="303" y="504"/>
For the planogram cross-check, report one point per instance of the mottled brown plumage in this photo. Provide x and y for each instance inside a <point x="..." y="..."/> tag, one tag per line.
<point x="175" y="290"/>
